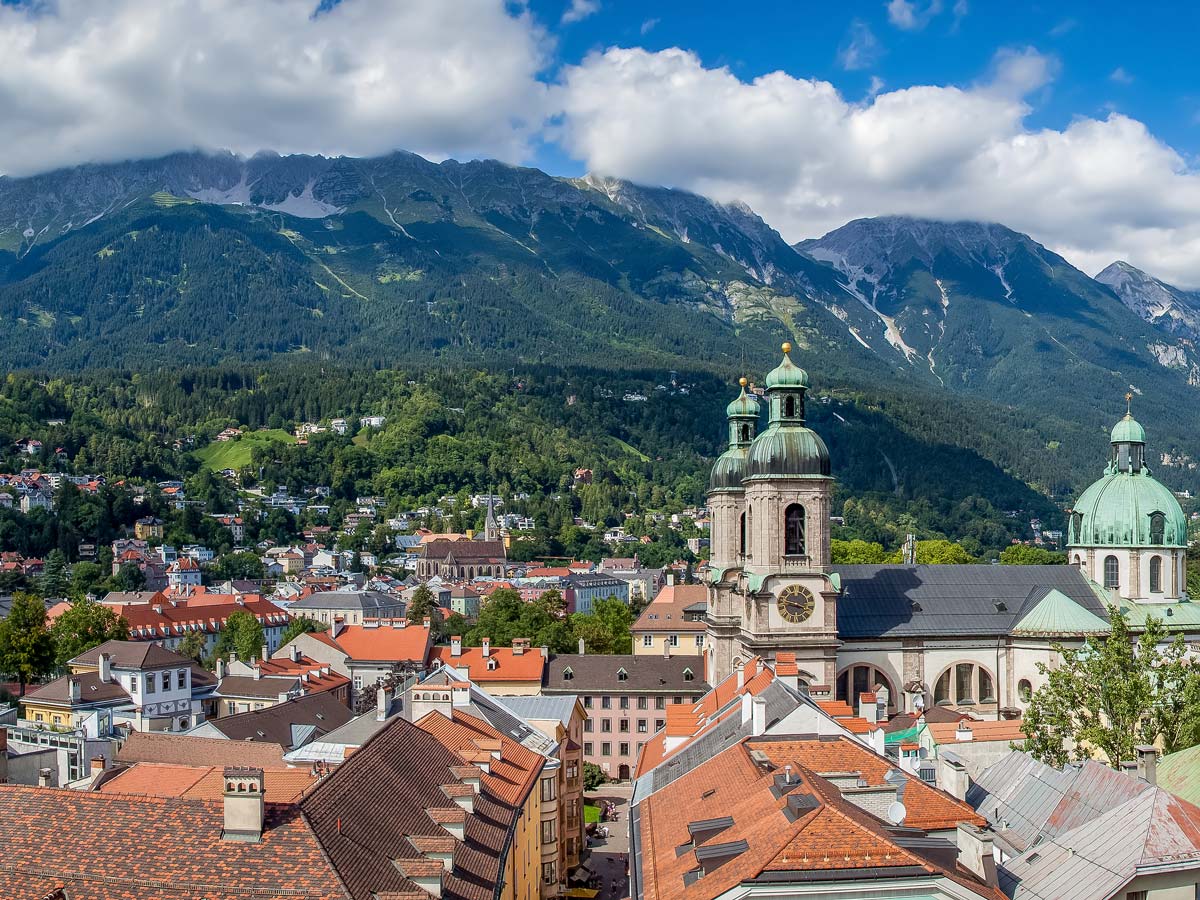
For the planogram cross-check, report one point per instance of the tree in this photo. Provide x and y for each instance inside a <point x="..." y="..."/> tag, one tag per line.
<point x="606" y="629"/>
<point x="87" y="578"/>
<point x="242" y="634"/>
<point x="193" y="645"/>
<point x="421" y="605"/>
<point x="55" y="582"/>
<point x="26" y="647"/>
<point x="85" y="625"/>
<point x="1113" y="694"/>
<point x="298" y="626"/>
<point x="1024" y="555"/>
<point x="857" y="552"/>
<point x="129" y="578"/>
<point x="593" y="777"/>
<point x="238" y="565"/>
<point x="940" y="553"/>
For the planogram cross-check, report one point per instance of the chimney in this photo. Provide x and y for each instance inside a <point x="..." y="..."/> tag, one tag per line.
<point x="105" y="668"/>
<point x="456" y="645"/>
<point x="670" y="579"/>
<point x="257" y="670"/>
<point x="245" y="808"/>
<point x="266" y="653"/>
<point x="74" y="691"/>
<point x="975" y="852"/>
<point x="741" y="675"/>
<point x="427" y="622"/>
<point x="381" y="704"/>
<point x="295" y="648"/>
<point x="519" y="646"/>
<point x="758" y="716"/>
<point x="581" y="647"/>
<point x="98" y="765"/>
<point x="952" y="778"/>
<point x="1147" y="764"/>
<point x="868" y="708"/>
<point x="963" y="732"/>
<point x="44" y="777"/>
<point x="220" y="668"/>
<point x="666" y="648"/>
<point x="487" y="647"/>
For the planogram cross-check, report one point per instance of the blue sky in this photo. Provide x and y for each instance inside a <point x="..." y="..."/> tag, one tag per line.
<point x="1076" y="123"/>
<point x="1136" y="58"/>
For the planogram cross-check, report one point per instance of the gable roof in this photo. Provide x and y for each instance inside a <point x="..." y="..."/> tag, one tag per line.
<point x="133" y="655"/>
<point x="190" y="750"/>
<point x="667" y="611"/>
<point x="1003" y="730"/>
<point x="280" y="784"/>
<point x="961" y="600"/>
<point x="288" y="724"/>
<point x="506" y="665"/>
<point x="594" y="673"/>
<point x="382" y="643"/>
<point x="511" y="776"/>
<point x="1179" y="773"/>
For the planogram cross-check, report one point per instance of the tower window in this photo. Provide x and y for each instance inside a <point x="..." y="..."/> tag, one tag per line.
<point x="1112" y="572"/>
<point x="742" y="536"/>
<point x="1158" y="524"/>
<point x="745" y="433"/>
<point x="793" y="530"/>
<point x="789" y="406"/>
<point x="1155" y="574"/>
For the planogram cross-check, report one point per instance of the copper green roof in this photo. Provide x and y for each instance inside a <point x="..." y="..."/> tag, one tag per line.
<point x="1181" y="615"/>
<point x="787" y="451"/>
<point x="787" y="374"/>
<point x="1128" y="431"/>
<point x="743" y="406"/>
<point x="1057" y="614"/>
<point x="728" y="470"/>
<point x="1118" y="511"/>
<point x="1179" y="773"/>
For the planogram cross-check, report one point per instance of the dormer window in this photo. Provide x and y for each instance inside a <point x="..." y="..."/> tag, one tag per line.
<point x="688" y="676"/>
<point x="1157" y="526"/>
<point x="622" y="675"/>
<point x="492" y="664"/>
<point x="568" y="674"/>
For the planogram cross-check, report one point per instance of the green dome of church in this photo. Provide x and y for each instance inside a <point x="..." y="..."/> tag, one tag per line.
<point x="787" y="451"/>
<point x="787" y="374"/>
<point x="1127" y="507"/>
<point x="743" y="405"/>
<point x="728" y="470"/>
<point x="1128" y="430"/>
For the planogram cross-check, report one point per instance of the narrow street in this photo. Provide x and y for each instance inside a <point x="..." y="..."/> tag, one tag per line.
<point x="610" y="856"/>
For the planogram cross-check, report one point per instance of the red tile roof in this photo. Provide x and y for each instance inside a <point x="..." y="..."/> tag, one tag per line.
<point x="382" y="642"/>
<point x="188" y="750"/>
<point x="173" y="618"/>
<point x="280" y="785"/>
<point x="509" y="665"/>
<point x="510" y="777"/>
<point x="666" y="612"/>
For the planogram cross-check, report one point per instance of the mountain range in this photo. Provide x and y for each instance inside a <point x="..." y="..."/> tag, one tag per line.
<point x="200" y="259"/>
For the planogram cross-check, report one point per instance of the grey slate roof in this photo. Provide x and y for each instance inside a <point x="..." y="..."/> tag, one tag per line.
<point x="369" y="603"/>
<point x="249" y="686"/>
<point x="286" y="724"/>
<point x="963" y="600"/>
<point x="599" y="674"/>
<point x="560" y="707"/>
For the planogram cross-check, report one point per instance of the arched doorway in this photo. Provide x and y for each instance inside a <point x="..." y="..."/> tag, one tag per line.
<point x="861" y="678"/>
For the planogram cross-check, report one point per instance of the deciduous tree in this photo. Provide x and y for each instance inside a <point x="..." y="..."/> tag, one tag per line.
<point x="26" y="647"/>
<point x="85" y="625"/>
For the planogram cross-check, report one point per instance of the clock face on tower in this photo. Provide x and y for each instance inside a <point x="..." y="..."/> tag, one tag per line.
<point x="796" y="603"/>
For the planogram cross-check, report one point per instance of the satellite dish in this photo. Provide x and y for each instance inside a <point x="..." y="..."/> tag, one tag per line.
<point x="896" y="813"/>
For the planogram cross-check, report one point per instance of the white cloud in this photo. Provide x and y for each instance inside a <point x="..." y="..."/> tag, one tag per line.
<point x="649" y="25"/>
<point x="910" y="15"/>
<point x="1120" y="76"/>
<point x="580" y="10"/>
<point x="110" y="79"/>
<point x="808" y="160"/>
<point x="861" y="48"/>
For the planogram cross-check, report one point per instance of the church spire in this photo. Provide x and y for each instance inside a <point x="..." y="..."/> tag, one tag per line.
<point x="491" y="531"/>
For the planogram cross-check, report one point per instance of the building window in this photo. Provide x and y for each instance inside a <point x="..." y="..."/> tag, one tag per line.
<point x="793" y="530"/>
<point x="658" y="724"/>
<point x="624" y="748"/>
<point x="624" y="703"/>
<point x="587" y="748"/>
<point x="964" y="683"/>
<point x="660" y="702"/>
<point x="641" y="726"/>
<point x="673" y="640"/>
<point x="1155" y="574"/>
<point x="699" y="640"/>
<point x="150" y="682"/>
<point x="642" y="704"/>
<point x="606" y="749"/>
<point x="587" y="725"/>
<point x="742" y="535"/>
<point x="549" y="875"/>
<point x="1112" y="572"/>
<point x="133" y="684"/>
<point x="861" y="679"/>
<point x="647" y="640"/>
<point x="547" y="831"/>
<point x="1157" y="525"/>
<point x="676" y="700"/>
<point x="547" y="790"/>
<point x="606" y="702"/>
<point x="622" y="675"/>
<point x="1024" y="690"/>
<point x="688" y="676"/>
<point x="606" y="725"/>
<point x="623" y="726"/>
<point x="587" y="702"/>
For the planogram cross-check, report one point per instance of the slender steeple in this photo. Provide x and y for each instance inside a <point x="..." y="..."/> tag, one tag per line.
<point x="491" y="531"/>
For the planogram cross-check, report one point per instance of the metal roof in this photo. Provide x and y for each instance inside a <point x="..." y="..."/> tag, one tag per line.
<point x="959" y="600"/>
<point x="1056" y="614"/>
<point x="559" y="707"/>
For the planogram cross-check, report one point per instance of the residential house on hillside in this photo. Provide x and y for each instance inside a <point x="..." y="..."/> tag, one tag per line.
<point x="245" y="686"/>
<point x="144" y="687"/>
<point x="673" y="622"/>
<point x="500" y="670"/>
<point x="351" y="607"/>
<point x="626" y="699"/>
<point x="367" y="654"/>
<point x="165" y="620"/>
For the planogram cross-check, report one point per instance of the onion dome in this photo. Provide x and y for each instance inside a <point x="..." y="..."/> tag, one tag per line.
<point x="728" y="470"/>
<point x="787" y="374"/>
<point x="787" y="449"/>
<point x="730" y="466"/>
<point x="743" y="405"/>
<point x="1127" y="507"/>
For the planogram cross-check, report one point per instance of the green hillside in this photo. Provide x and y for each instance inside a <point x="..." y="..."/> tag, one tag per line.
<point x="235" y="454"/>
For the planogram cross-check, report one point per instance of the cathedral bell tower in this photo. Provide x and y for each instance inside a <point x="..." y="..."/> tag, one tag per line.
<point x="769" y="497"/>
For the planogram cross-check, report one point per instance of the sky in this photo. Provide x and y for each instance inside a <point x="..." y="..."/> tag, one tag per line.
<point x="1075" y="122"/>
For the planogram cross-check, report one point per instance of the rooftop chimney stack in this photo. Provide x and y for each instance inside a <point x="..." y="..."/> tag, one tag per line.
<point x="975" y="852"/>
<point x="868" y="708"/>
<point x="519" y="646"/>
<point x="245" y="808"/>
<point x="98" y="765"/>
<point x="257" y="669"/>
<point x="486" y="647"/>
<point x="1147" y="764"/>
<point x="295" y="649"/>
<point x="666" y="648"/>
<point x="758" y="716"/>
<point x="952" y="778"/>
<point x="741" y="675"/>
<point x="74" y="691"/>
<point x="381" y="704"/>
<point x="581" y="647"/>
<point x="266" y="653"/>
<point x="105" y="668"/>
<point x="44" y="777"/>
<point x="456" y="645"/>
<point x="220" y="668"/>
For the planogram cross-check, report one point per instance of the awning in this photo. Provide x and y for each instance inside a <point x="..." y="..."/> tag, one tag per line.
<point x="589" y="893"/>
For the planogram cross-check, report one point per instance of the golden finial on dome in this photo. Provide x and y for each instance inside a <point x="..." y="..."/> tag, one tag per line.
<point x="787" y="347"/>
<point x="1129" y="405"/>
<point x="743" y="381"/>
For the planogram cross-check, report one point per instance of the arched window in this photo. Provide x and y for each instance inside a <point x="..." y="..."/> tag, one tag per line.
<point x="1112" y="572"/>
<point x="749" y="529"/>
<point x="1155" y="574"/>
<point x="1157" y="525"/>
<point x="964" y="684"/>
<point x="789" y="407"/>
<point x="742" y="534"/>
<point x="1024" y="690"/>
<point x="745" y="433"/>
<point x="861" y="679"/>
<point x="793" y="530"/>
<point x="1076" y="525"/>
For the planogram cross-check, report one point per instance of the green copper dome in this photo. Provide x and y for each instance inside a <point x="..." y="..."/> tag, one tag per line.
<point x="787" y="374"/>
<point x="728" y="470"/>
<point x="1128" y="430"/>
<point x="743" y="405"/>
<point x="787" y="451"/>
<point x="1127" y="507"/>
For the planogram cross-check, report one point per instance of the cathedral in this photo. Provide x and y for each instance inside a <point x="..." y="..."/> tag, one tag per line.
<point x="967" y="637"/>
